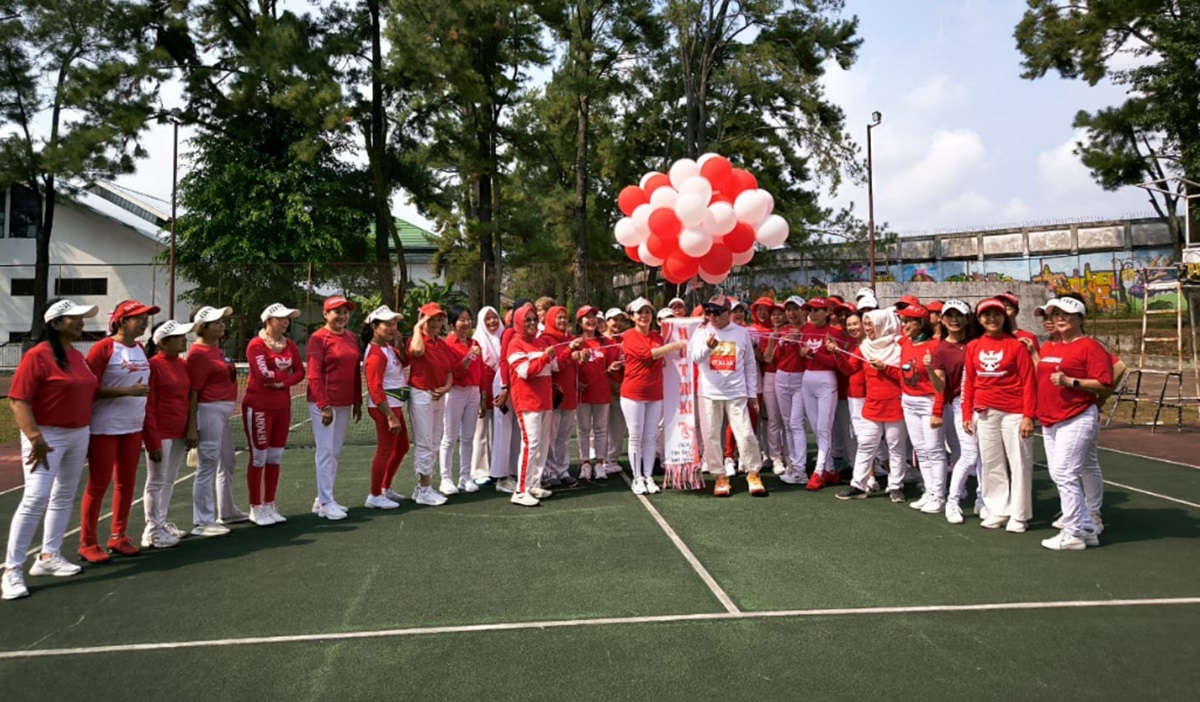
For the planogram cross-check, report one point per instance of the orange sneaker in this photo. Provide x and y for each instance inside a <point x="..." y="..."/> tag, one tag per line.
<point x="756" y="486"/>
<point x="94" y="554"/>
<point x="123" y="546"/>
<point x="722" y="487"/>
<point x="816" y="482"/>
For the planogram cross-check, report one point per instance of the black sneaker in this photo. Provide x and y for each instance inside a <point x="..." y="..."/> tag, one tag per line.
<point x="897" y="496"/>
<point x="852" y="493"/>
<point x="569" y="480"/>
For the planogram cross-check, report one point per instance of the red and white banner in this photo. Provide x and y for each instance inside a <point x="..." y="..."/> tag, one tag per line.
<point x="681" y="440"/>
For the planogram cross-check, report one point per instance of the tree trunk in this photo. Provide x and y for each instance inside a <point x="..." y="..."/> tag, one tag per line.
<point x="47" y="198"/>
<point x="483" y="217"/>
<point x="391" y="285"/>
<point x="583" y="289"/>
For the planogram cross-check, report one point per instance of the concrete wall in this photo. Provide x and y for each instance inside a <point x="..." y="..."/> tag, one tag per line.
<point x="1032" y="295"/>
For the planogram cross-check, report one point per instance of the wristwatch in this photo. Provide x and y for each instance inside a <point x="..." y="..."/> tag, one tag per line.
<point x="1074" y="382"/>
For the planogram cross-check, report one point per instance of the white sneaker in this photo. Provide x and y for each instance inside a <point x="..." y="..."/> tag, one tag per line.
<point x="978" y="509"/>
<point x="174" y="530"/>
<point x="394" y="496"/>
<point x="1058" y="522"/>
<point x="467" y="486"/>
<point x="235" y="517"/>
<point x="279" y="518"/>
<point x="507" y="485"/>
<point x="261" y="516"/>
<point x="651" y="487"/>
<point x="730" y="468"/>
<point x="524" y="499"/>
<point x="954" y="513"/>
<point x="920" y="504"/>
<point x="1097" y="523"/>
<point x="332" y="512"/>
<point x="585" y="471"/>
<point x="55" y="565"/>
<point x="540" y="493"/>
<point x="448" y="488"/>
<point x="428" y="496"/>
<point x="791" y="476"/>
<point x="13" y="584"/>
<point x="1090" y="539"/>
<point x="380" y="502"/>
<point x="1015" y="526"/>
<point x="600" y="472"/>
<point x="316" y="508"/>
<point x="612" y="468"/>
<point x="934" y="506"/>
<point x="778" y="466"/>
<point x="158" y="538"/>
<point x="639" y="486"/>
<point x="207" y="530"/>
<point x="1064" y="542"/>
<point x="991" y="522"/>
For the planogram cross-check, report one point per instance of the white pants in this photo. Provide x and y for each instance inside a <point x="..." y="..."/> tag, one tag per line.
<point x="870" y="434"/>
<point x="1066" y="454"/>
<point x="558" y="456"/>
<point x="968" y="455"/>
<point x="616" y="430"/>
<point x="160" y="481"/>
<point x="592" y="421"/>
<point x="776" y="432"/>
<point x="927" y="441"/>
<point x="427" y="419"/>
<point x="844" y="446"/>
<point x="329" y="441"/>
<point x="215" y="449"/>
<point x="820" y="405"/>
<point x="642" y="419"/>
<point x="502" y="464"/>
<point x="481" y="446"/>
<point x="1093" y="481"/>
<point x="49" y="493"/>
<point x="535" y="438"/>
<point x="461" y="414"/>
<point x="712" y="412"/>
<point x="789" y="389"/>
<point x="1007" y="465"/>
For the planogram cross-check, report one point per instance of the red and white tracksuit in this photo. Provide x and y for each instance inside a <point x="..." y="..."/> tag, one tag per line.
<point x="533" y="400"/>
<point x="267" y="413"/>
<point x="595" y="400"/>
<point x="385" y="381"/>
<point x="882" y="419"/>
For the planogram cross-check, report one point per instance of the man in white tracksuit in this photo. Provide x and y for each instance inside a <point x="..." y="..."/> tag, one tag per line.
<point x="724" y="354"/>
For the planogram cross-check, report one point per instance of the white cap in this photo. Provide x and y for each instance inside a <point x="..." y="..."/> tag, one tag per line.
<point x="863" y="292"/>
<point x="204" y="315"/>
<point x="734" y="304"/>
<point x="664" y="313"/>
<point x="172" y="328"/>
<point x="868" y="301"/>
<point x="67" y="308"/>
<point x="959" y="305"/>
<point x="1067" y="304"/>
<point x="677" y="300"/>
<point x="383" y="313"/>
<point x="794" y="300"/>
<point x="278" y="310"/>
<point x="614" y="312"/>
<point x="639" y="304"/>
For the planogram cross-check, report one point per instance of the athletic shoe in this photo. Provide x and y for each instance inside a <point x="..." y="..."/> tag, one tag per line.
<point x="1058" y="521"/>
<point x="872" y="484"/>
<point x="978" y="509"/>
<point x="934" y="506"/>
<point x="638" y="486"/>
<point x="467" y="486"/>
<point x="552" y="481"/>
<point x="448" y="488"/>
<point x="524" y="499"/>
<point x="428" y="496"/>
<point x="756" y="486"/>
<point x="730" y="467"/>
<point x="651" y="487"/>
<point x="380" y="502"/>
<point x="599" y="473"/>
<point x="94" y="554"/>
<point x="316" y="508"/>
<point x="261" y="516"/>
<point x="954" y="513"/>
<point x="540" y="493"/>
<point x="585" y="471"/>
<point x="332" y="512"/>
<point x="1015" y="526"/>
<point x="816" y="482"/>
<point x="852" y="493"/>
<point x="568" y="480"/>
<point x="507" y="485"/>
<point x="832" y="477"/>
<point x="279" y="518"/>
<point x="55" y="565"/>
<point x="393" y="495"/>
<point x="920" y="504"/>
<point x="1097" y="523"/>
<point x="173" y="530"/>
<point x="779" y="467"/>
<point x="768" y="463"/>
<point x="1090" y="539"/>
<point x="1064" y="542"/>
<point x="993" y="522"/>
<point x="612" y="468"/>
<point x="210" y="530"/>
<point x="13" y="584"/>
<point x="721" y="489"/>
<point x="158" y="538"/>
<point x="237" y="517"/>
<point x="791" y="476"/>
<point x="897" y="497"/>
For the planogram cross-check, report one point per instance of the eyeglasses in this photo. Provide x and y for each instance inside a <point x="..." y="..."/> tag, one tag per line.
<point x="714" y="313"/>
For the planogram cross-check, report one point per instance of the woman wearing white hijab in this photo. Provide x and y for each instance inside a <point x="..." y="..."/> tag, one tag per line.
<point x="487" y="334"/>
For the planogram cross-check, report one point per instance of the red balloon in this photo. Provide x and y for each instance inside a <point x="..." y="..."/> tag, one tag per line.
<point x="718" y="260"/>
<point x="664" y="223"/>
<point x="740" y="240"/>
<point x="740" y="181"/>
<point x="671" y="277"/>
<point x="655" y="183"/>
<point x="632" y="253"/>
<point x="718" y="170"/>
<point x="662" y="246"/>
<point x="681" y="266"/>
<point x="720" y="197"/>
<point x="630" y="197"/>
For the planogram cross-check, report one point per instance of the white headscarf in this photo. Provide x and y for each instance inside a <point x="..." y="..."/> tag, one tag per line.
<point x="489" y="343"/>
<point x="887" y="332"/>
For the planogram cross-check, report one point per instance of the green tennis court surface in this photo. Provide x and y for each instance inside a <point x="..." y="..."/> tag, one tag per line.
<point x="588" y="597"/>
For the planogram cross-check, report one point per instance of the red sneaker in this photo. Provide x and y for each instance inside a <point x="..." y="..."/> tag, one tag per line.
<point x="816" y="482"/>
<point x="94" y="554"/>
<point x="122" y="545"/>
<point x="832" y="477"/>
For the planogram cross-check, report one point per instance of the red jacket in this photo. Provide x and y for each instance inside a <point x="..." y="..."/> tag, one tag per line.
<point x="333" y="376"/>
<point x="530" y="368"/>
<point x="566" y="377"/>
<point x="266" y="366"/>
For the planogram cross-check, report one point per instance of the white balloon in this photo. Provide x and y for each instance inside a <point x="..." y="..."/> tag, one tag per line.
<point x="700" y="161"/>
<point x="698" y="185"/>
<point x="750" y="207"/>
<point x="683" y="169"/>
<point x="712" y="279"/>
<point x="641" y="221"/>
<point x="664" y="197"/>
<point x="648" y="258"/>
<point x="769" y="198"/>
<point x="626" y="232"/>
<point x="646" y="178"/>
<point x="772" y="232"/>
<point x="741" y="259"/>
<point x="695" y="242"/>
<point x="720" y="220"/>
<point x="690" y="209"/>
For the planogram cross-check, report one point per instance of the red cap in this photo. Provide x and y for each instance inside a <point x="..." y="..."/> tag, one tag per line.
<point x="816" y="303"/>
<point x="935" y="306"/>
<point x="585" y="311"/>
<point x="431" y="309"/>
<point x="849" y="307"/>
<point x="913" y="312"/>
<point x="906" y="301"/>
<point x="132" y="308"/>
<point x="332" y="303"/>
<point x="1010" y="299"/>
<point x="990" y="303"/>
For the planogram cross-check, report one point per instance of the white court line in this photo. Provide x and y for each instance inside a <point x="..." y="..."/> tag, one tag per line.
<point x="1138" y="490"/>
<point x="608" y="621"/>
<point x="708" y="579"/>
<point x="1149" y="458"/>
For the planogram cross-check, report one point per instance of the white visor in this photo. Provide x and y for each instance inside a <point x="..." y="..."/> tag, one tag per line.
<point x="278" y="310"/>
<point x="206" y="315"/>
<point x="382" y="313"/>
<point x="68" y="308"/>
<point x="172" y="328"/>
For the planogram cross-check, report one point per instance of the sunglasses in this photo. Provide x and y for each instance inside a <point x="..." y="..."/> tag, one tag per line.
<point x="714" y="312"/>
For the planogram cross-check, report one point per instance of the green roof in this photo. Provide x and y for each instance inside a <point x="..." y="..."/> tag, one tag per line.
<point x="414" y="238"/>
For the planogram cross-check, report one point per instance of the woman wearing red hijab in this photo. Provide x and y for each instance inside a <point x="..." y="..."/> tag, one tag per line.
<point x="565" y="383"/>
<point x="531" y="362"/>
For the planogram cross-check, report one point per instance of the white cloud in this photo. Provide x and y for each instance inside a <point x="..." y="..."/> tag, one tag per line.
<point x="1016" y="210"/>
<point x="935" y="95"/>
<point x="950" y="160"/>
<point x="1061" y="173"/>
<point x="966" y="208"/>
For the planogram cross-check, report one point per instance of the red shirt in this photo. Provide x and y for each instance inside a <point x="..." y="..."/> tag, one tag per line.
<point x="760" y="335"/>
<point x="566" y="378"/>
<point x="1022" y="334"/>
<point x="912" y="367"/>
<point x="60" y="398"/>
<point x="527" y="357"/>
<point x="211" y="374"/>
<point x="813" y="340"/>
<point x="505" y="339"/>
<point x="998" y="374"/>
<point x="167" y="403"/>
<point x="1083" y="359"/>
<point x="430" y="370"/>
<point x="882" y="388"/>
<point x="384" y="372"/>
<point x="593" y="373"/>
<point x="948" y="358"/>
<point x="852" y="381"/>
<point x="787" y="353"/>
<point x="643" y="373"/>
<point x="266" y="366"/>
<point x="333" y="377"/>
<point x="470" y="376"/>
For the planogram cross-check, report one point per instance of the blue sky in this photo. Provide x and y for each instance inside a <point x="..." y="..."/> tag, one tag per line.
<point x="965" y="142"/>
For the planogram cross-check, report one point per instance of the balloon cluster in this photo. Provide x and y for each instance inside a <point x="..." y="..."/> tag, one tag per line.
<point x="702" y="218"/>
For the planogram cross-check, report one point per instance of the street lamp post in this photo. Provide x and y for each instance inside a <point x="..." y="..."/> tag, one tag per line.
<point x="876" y="118"/>
<point x="174" y="189"/>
